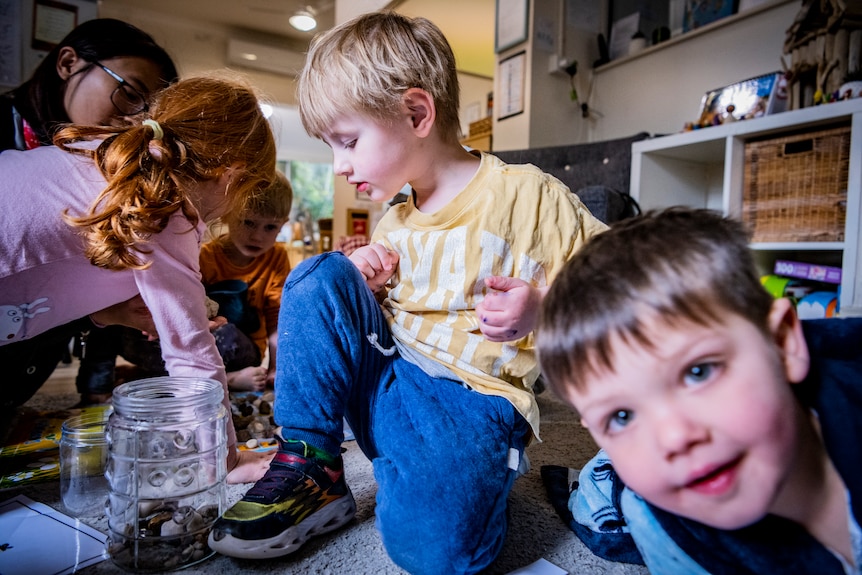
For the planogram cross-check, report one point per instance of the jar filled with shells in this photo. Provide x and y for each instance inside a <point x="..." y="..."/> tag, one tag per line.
<point x="166" y="472"/>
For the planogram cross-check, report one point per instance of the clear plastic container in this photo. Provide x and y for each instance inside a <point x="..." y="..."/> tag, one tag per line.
<point x="166" y="471"/>
<point x="83" y="455"/>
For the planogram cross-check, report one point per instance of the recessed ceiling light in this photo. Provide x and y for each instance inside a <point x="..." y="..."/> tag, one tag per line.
<point x="303" y="21"/>
<point x="248" y="56"/>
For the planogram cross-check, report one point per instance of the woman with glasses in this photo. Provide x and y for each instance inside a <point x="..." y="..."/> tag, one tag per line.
<point x="102" y="73"/>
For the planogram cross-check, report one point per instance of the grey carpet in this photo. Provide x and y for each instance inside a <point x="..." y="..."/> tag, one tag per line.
<point x="535" y="531"/>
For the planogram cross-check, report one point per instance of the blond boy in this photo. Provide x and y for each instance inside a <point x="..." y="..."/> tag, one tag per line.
<point x="435" y="381"/>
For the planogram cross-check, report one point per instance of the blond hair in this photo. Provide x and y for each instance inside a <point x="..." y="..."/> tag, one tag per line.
<point x="274" y="201"/>
<point x="208" y="124"/>
<point x="366" y="64"/>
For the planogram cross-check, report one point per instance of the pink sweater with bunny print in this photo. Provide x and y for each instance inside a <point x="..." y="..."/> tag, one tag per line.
<point x="46" y="280"/>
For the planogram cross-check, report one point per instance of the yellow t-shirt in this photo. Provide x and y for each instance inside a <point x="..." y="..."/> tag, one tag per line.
<point x="265" y="277"/>
<point x="511" y="220"/>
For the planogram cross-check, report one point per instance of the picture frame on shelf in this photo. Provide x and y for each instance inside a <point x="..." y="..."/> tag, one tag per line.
<point x="759" y="96"/>
<point x="622" y="32"/>
<point x="699" y="13"/>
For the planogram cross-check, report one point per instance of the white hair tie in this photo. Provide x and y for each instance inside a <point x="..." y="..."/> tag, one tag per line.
<point x="158" y="134"/>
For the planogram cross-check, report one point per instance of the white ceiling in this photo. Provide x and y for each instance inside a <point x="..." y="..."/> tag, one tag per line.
<point x="467" y="24"/>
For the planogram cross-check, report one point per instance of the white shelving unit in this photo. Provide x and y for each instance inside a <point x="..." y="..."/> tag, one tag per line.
<point x="705" y="168"/>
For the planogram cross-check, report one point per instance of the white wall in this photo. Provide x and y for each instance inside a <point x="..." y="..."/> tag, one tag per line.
<point x="292" y="141"/>
<point x="657" y="91"/>
<point x="474" y="99"/>
<point x="198" y="48"/>
<point x="559" y="29"/>
<point x="660" y="90"/>
<point x="561" y="122"/>
<point x="348" y="9"/>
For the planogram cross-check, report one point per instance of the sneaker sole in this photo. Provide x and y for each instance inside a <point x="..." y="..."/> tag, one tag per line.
<point x="327" y="519"/>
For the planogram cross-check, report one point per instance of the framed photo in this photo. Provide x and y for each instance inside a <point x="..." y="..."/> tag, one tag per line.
<point x="752" y="98"/>
<point x="702" y="12"/>
<point x="511" y="25"/>
<point x="621" y="35"/>
<point x="509" y="96"/>
<point x="51" y="22"/>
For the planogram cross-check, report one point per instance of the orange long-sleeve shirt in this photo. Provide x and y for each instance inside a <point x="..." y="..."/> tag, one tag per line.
<point x="265" y="277"/>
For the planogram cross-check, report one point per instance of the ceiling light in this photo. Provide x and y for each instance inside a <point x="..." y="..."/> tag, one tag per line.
<point x="303" y="21"/>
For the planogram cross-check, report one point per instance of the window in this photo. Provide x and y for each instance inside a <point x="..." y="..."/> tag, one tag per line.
<point x="313" y="189"/>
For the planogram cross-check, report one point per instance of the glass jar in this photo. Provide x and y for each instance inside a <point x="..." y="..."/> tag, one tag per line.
<point x="166" y="471"/>
<point x="83" y="454"/>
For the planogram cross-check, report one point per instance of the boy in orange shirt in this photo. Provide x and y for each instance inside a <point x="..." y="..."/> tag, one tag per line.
<point x="249" y="252"/>
<point x="247" y="256"/>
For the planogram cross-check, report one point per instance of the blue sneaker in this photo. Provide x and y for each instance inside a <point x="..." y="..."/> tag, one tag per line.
<point x="303" y="494"/>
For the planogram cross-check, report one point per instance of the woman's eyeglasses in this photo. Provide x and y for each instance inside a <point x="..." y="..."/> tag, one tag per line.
<point x="126" y="99"/>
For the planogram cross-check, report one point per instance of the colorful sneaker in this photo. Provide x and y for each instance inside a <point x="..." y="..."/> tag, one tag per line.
<point x="303" y="494"/>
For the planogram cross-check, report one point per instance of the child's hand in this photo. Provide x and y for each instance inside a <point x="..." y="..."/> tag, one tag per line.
<point x="130" y="313"/>
<point x="376" y="263"/>
<point x="247" y="466"/>
<point x="252" y="378"/>
<point x="509" y="310"/>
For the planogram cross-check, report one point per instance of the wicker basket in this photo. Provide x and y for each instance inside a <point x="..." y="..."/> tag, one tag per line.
<point x="795" y="186"/>
<point x="480" y="127"/>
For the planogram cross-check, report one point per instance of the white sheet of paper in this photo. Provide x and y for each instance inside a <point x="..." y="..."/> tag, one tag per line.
<point x="540" y="567"/>
<point x="35" y="538"/>
<point x="621" y="35"/>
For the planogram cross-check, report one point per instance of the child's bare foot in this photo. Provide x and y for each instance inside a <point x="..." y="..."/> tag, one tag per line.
<point x="247" y="379"/>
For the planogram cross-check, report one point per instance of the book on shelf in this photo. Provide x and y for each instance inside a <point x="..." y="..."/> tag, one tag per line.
<point x="806" y="271"/>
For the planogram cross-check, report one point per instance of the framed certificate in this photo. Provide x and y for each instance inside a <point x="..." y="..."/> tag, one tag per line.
<point x="510" y="86"/>
<point x="511" y="26"/>
<point x="51" y="22"/>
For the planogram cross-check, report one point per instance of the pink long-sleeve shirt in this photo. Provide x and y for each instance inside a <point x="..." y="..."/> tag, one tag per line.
<point x="47" y="281"/>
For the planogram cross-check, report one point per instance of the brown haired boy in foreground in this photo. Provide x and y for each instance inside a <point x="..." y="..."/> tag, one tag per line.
<point x="730" y="430"/>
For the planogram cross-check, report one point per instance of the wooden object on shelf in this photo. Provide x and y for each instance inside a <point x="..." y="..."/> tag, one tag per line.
<point x="823" y="46"/>
<point x="325" y="227"/>
<point x="795" y="186"/>
<point x="480" y="135"/>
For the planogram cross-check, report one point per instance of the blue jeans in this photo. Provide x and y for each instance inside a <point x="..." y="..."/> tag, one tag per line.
<point x="440" y="451"/>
